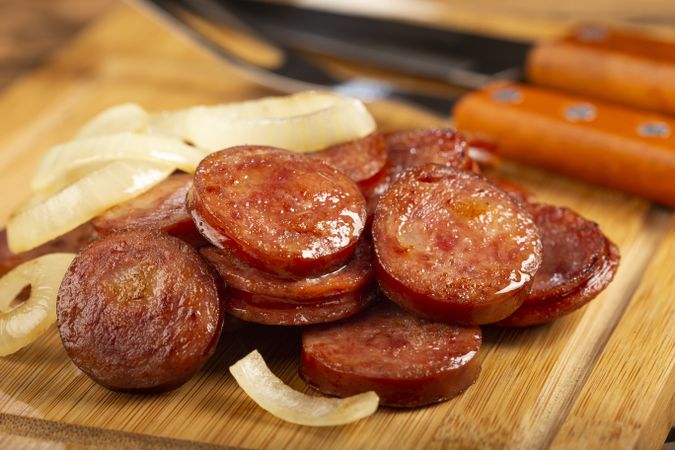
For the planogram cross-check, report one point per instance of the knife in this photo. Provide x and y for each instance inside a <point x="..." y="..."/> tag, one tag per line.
<point x="608" y="63"/>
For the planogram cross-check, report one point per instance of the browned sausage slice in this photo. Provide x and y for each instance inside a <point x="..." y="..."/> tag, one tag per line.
<point x="450" y="246"/>
<point x="360" y="159"/>
<point x="412" y="148"/>
<point x="422" y="146"/>
<point x="139" y="311"/>
<point x="535" y="313"/>
<point x="279" y="311"/>
<point x="573" y="248"/>
<point x="355" y="274"/>
<point x="162" y="208"/>
<point x="512" y="188"/>
<point x="283" y="212"/>
<point x="70" y="242"/>
<point x="406" y="360"/>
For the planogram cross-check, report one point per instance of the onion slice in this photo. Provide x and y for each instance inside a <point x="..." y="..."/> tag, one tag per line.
<point x="22" y="324"/>
<point x="303" y="122"/>
<point x="50" y="217"/>
<point x="170" y="123"/>
<point x="271" y="394"/>
<point x="116" y="119"/>
<point x="63" y="163"/>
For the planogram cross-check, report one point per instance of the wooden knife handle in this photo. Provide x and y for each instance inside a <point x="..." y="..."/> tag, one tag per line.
<point x="610" y="64"/>
<point x="596" y="141"/>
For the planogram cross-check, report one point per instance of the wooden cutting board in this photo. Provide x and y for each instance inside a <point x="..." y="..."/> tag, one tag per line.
<point x="600" y="378"/>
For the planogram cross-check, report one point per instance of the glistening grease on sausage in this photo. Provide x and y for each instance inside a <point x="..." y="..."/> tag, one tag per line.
<point x="282" y="212"/>
<point x="451" y="246"/>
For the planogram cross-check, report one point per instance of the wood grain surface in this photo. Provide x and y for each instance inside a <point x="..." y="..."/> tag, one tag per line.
<point x="599" y="378"/>
<point x="30" y="30"/>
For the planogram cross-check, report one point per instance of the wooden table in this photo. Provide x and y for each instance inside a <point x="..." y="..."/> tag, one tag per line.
<point x="600" y="378"/>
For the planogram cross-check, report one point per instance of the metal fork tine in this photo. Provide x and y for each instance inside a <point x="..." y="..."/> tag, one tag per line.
<point x="293" y="65"/>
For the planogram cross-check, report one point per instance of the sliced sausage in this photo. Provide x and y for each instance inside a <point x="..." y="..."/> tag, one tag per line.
<point x="139" y="311"/>
<point x="421" y="146"/>
<point x="360" y="159"/>
<point x="70" y="242"/>
<point x="283" y="212"/>
<point x="406" y="360"/>
<point x="162" y="208"/>
<point x="279" y="311"/>
<point x="482" y="150"/>
<point x="535" y="313"/>
<point x="512" y="188"/>
<point x="412" y="148"/>
<point x="450" y="246"/>
<point x="355" y="274"/>
<point x="374" y="189"/>
<point x="573" y="248"/>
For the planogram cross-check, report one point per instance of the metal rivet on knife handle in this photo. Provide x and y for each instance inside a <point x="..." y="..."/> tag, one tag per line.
<point x="581" y="112"/>
<point x="592" y="33"/>
<point x="507" y="95"/>
<point x="654" y="129"/>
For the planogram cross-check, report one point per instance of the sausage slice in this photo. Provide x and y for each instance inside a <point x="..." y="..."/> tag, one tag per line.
<point x="512" y="188"/>
<point x="360" y="159"/>
<point x="450" y="246"/>
<point x="406" y="360"/>
<point x="139" y="311"/>
<point x="161" y="208"/>
<point x="421" y="146"/>
<point x="573" y="248"/>
<point x="412" y="148"/>
<point x="547" y="310"/>
<point x="284" y="213"/>
<point x="237" y="274"/>
<point x="280" y="311"/>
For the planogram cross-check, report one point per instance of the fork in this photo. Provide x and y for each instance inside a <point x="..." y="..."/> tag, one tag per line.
<point x="294" y="72"/>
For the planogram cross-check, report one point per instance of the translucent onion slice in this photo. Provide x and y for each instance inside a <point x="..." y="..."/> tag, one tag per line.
<point x="125" y="117"/>
<point x="63" y="163"/>
<point x="170" y="123"/>
<point x="81" y="201"/>
<point x="303" y="122"/>
<point x="271" y="394"/>
<point x="24" y="323"/>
